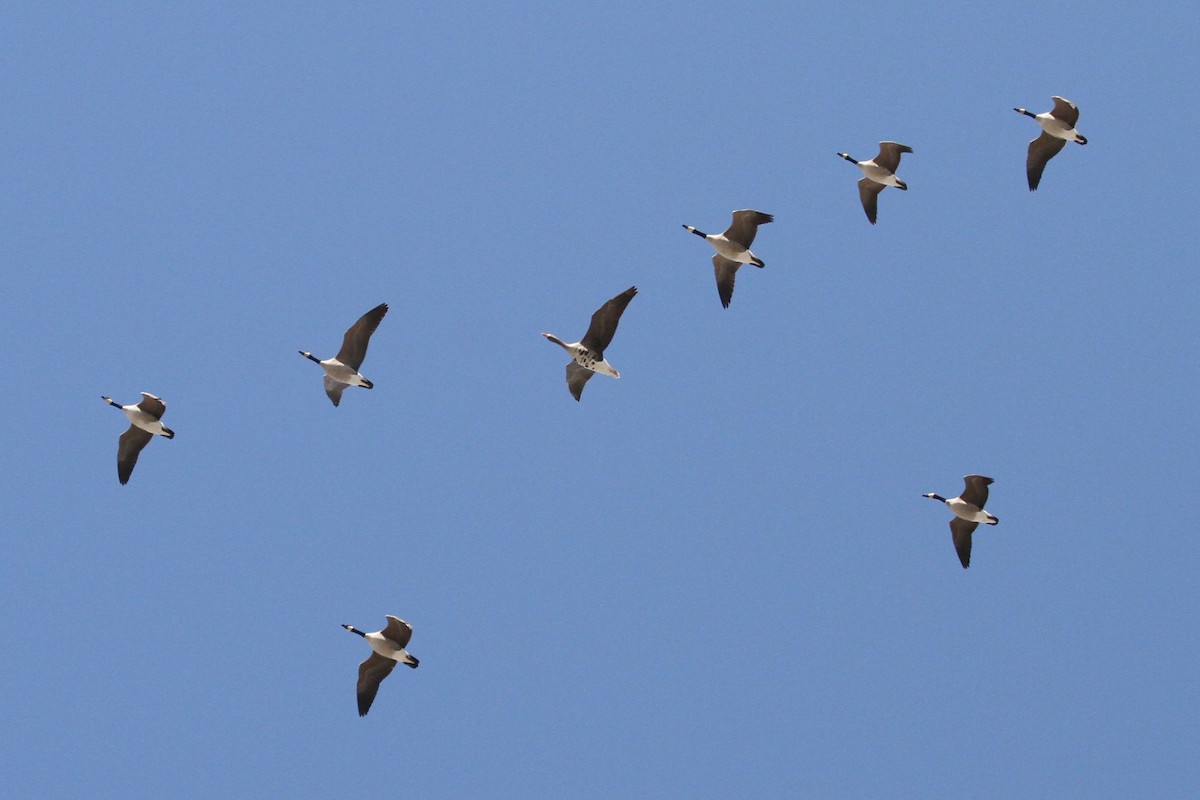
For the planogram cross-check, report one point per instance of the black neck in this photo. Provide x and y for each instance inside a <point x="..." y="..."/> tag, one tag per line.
<point x="701" y="234"/>
<point x="352" y="629"/>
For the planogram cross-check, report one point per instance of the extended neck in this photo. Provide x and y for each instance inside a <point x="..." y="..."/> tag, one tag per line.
<point x="699" y="233"/>
<point x="1023" y="111"/>
<point x="848" y="157"/>
<point x="309" y="356"/>
<point x="557" y="341"/>
<point x="111" y="402"/>
<point x="933" y="496"/>
<point x="353" y="629"/>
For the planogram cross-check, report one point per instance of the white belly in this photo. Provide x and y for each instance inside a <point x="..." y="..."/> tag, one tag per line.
<point x="1056" y="127"/>
<point x="970" y="513"/>
<point x="731" y="250"/>
<point x="342" y="373"/>
<point x="879" y="174"/>
<point x="146" y="422"/>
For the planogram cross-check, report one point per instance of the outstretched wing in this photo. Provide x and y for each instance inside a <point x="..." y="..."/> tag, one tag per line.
<point x="131" y="443"/>
<point x="961" y="530"/>
<point x="1065" y="110"/>
<point x="868" y="192"/>
<point x="604" y="322"/>
<point x="154" y="406"/>
<point x="889" y="155"/>
<point x="358" y="336"/>
<point x="745" y="226"/>
<point x="397" y="630"/>
<point x="370" y="674"/>
<point x="726" y="271"/>
<point x="334" y="389"/>
<point x="975" y="490"/>
<point x="1041" y="150"/>
<point x="577" y="376"/>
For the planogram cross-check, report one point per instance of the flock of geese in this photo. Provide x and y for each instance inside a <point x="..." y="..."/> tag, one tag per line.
<point x="587" y="358"/>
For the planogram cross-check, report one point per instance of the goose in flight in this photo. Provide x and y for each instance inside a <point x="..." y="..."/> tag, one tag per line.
<point x="387" y="648"/>
<point x="146" y="419"/>
<point x="880" y="173"/>
<point x="968" y="513"/>
<point x="733" y="248"/>
<point x="587" y="355"/>
<point x="342" y="370"/>
<point x="1058" y="128"/>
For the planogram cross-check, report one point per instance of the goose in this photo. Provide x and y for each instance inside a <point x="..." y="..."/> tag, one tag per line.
<point x="388" y="650"/>
<point x="1058" y="128"/>
<point x="342" y="370"/>
<point x="968" y="513"/>
<point x="146" y="417"/>
<point x="587" y="355"/>
<point x="881" y="173"/>
<point x="733" y="248"/>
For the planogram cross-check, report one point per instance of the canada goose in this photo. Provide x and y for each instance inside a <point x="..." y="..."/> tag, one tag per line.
<point x="733" y="248"/>
<point x="342" y="370"/>
<point x="588" y="353"/>
<point x="968" y="513"/>
<point x="146" y="417"/>
<point x="388" y="646"/>
<point x="881" y="173"/>
<point x="1058" y="128"/>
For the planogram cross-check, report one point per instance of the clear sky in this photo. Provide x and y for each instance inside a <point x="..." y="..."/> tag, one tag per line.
<point x="713" y="578"/>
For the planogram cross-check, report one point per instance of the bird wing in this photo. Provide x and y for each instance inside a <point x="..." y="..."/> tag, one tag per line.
<point x="868" y="192"/>
<point x="577" y="376"/>
<point x="334" y="389"/>
<point x="397" y="630"/>
<point x="604" y="322"/>
<point x="358" y="335"/>
<point x="889" y="155"/>
<point x="726" y="271"/>
<point x="154" y="406"/>
<point x="1041" y="150"/>
<point x="1065" y="110"/>
<point x="131" y="443"/>
<point x="961" y="530"/>
<point x="370" y="674"/>
<point x="745" y="226"/>
<point x="975" y="490"/>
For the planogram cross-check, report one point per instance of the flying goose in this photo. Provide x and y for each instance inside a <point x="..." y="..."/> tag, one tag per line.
<point x="968" y="513"/>
<point x="342" y="370"/>
<point x="388" y="646"/>
<point x="733" y="248"/>
<point x="1058" y="128"/>
<point x="146" y="417"/>
<point x="881" y="173"/>
<point x="588" y="353"/>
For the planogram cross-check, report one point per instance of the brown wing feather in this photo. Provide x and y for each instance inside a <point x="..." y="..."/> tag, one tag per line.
<point x="868" y="192"/>
<point x="1041" y="150"/>
<point x="745" y="225"/>
<point x="131" y="443"/>
<point x="397" y="630"/>
<point x="152" y="405"/>
<point x="1065" y="110"/>
<point x="889" y="155"/>
<point x="961" y="531"/>
<point x="577" y="377"/>
<point x="726" y="271"/>
<point x="370" y="674"/>
<point x="358" y="336"/>
<point x="604" y="322"/>
<point x="975" y="490"/>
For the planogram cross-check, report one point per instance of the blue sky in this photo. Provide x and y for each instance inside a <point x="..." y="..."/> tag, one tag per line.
<point x="713" y="578"/>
